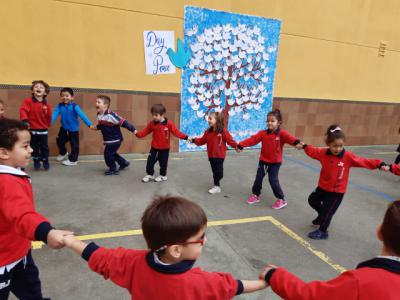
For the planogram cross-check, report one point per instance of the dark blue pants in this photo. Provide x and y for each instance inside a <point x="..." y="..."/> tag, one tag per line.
<point x="64" y="137"/>
<point x="40" y="146"/>
<point x="326" y="205"/>
<point x="23" y="281"/>
<point x="160" y="155"/>
<point x="217" y="167"/>
<point x="111" y="156"/>
<point x="273" y="171"/>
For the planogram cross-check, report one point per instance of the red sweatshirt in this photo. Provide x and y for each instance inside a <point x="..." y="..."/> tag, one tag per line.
<point x="216" y="142"/>
<point x="271" y="144"/>
<point x="137" y="271"/>
<point x="377" y="279"/>
<point x="395" y="169"/>
<point x="19" y="221"/>
<point x="38" y="114"/>
<point x="161" y="133"/>
<point x="335" y="170"/>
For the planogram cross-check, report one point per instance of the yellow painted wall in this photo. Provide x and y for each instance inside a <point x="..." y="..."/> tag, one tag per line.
<point x="328" y="48"/>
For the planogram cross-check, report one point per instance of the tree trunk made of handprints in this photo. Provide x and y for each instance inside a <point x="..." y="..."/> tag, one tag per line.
<point x="228" y="70"/>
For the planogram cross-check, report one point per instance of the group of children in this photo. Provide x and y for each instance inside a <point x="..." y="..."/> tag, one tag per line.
<point x="174" y="228"/>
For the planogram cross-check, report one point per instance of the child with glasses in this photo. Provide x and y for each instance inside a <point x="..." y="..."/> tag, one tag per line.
<point x="174" y="229"/>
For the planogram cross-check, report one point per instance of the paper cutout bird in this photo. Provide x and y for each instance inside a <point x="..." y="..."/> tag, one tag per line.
<point x="181" y="57"/>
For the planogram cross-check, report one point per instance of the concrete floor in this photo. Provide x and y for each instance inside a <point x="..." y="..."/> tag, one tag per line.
<point x="83" y="200"/>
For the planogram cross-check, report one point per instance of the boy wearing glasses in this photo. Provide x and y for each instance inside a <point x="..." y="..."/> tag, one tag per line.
<point x="174" y="229"/>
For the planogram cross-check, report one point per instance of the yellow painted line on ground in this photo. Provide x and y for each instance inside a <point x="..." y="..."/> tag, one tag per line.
<point x="322" y="256"/>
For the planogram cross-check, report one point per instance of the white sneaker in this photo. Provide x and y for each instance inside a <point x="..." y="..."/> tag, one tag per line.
<point x="215" y="189"/>
<point x="161" y="178"/>
<point x="69" y="163"/>
<point x="62" y="157"/>
<point x="148" y="178"/>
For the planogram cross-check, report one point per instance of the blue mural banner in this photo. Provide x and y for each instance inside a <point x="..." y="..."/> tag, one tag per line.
<point x="231" y="69"/>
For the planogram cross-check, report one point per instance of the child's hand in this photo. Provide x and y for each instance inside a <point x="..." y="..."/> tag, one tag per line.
<point x="55" y="238"/>
<point x="93" y="127"/>
<point x="300" y="146"/>
<point x="265" y="270"/>
<point x="191" y="140"/>
<point x="135" y="132"/>
<point x="69" y="240"/>
<point x="239" y="148"/>
<point x="385" y="168"/>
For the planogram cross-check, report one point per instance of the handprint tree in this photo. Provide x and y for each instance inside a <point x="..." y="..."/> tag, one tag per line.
<point x="228" y="69"/>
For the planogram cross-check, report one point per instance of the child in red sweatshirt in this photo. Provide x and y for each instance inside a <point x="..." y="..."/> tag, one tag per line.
<point x="334" y="177"/>
<point x="36" y="112"/>
<point x="216" y="137"/>
<point x="174" y="229"/>
<point x="161" y="128"/>
<point x="272" y="141"/>
<point x="19" y="222"/>
<point x="378" y="278"/>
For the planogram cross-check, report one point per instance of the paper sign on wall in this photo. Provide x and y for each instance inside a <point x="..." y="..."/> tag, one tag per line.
<point x="156" y="44"/>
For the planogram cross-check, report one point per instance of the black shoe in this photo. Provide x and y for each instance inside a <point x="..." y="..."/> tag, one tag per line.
<point x="46" y="164"/>
<point x="111" y="172"/>
<point x="123" y="167"/>
<point x="36" y="164"/>
<point x="318" y="235"/>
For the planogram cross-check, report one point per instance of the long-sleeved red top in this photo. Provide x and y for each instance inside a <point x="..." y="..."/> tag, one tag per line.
<point x="395" y="169"/>
<point x="378" y="278"/>
<point x="36" y="113"/>
<point x="216" y="142"/>
<point x="272" y="143"/>
<point x="19" y="221"/>
<point x="137" y="271"/>
<point x="161" y="133"/>
<point x="335" y="169"/>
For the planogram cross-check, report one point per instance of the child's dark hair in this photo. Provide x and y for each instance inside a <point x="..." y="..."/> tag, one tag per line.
<point x="333" y="133"/>
<point x="67" y="90"/>
<point x="170" y="220"/>
<point x="105" y="99"/>
<point x="8" y="132"/>
<point x="277" y="114"/>
<point x="44" y="83"/>
<point x="158" y="109"/>
<point x="220" y="120"/>
<point x="391" y="227"/>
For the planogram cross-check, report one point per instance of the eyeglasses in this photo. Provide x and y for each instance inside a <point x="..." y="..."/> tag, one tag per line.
<point x="200" y="241"/>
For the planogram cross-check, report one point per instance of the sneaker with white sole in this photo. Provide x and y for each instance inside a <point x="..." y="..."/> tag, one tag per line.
<point x="253" y="199"/>
<point x="215" y="189"/>
<point x="279" y="203"/>
<point x="69" y="163"/>
<point x="62" y="157"/>
<point x="148" y="178"/>
<point x="161" y="178"/>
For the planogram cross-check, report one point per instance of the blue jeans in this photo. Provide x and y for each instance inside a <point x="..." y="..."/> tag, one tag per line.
<point x="111" y="156"/>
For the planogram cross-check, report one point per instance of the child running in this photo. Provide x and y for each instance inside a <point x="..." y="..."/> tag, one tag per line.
<point x="216" y="137"/>
<point x="69" y="130"/>
<point x="334" y="177"/>
<point x="161" y="128"/>
<point x="175" y="232"/>
<point x="272" y="141"/>
<point x="20" y="223"/>
<point x="377" y="278"/>
<point x="109" y="123"/>
<point x="36" y="112"/>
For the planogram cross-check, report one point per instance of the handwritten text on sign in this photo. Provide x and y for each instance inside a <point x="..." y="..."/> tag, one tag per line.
<point x="156" y="44"/>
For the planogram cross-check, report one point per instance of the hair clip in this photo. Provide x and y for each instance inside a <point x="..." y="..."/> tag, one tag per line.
<point x="336" y="129"/>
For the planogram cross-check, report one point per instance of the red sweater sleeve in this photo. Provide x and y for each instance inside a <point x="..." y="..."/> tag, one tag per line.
<point x="25" y="109"/>
<point x="202" y="140"/>
<point x="287" y="138"/>
<point x="229" y="139"/>
<point x="395" y="169"/>
<point x="367" y="163"/>
<point x="49" y="113"/>
<point x="175" y="131"/>
<point x="315" y="153"/>
<point x="290" y="287"/>
<point x="221" y="285"/>
<point x="253" y="140"/>
<point x="116" y="264"/>
<point x="145" y="131"/>
<point x="18" y="209"/>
